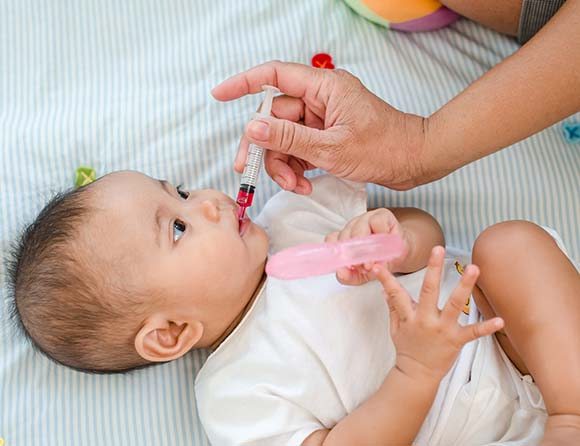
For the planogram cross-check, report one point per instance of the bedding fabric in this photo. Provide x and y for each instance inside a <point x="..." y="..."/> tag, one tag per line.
<point x="125" y="85"/>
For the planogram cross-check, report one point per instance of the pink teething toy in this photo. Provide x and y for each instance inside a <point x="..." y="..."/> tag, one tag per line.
<point x="313" y="259"/>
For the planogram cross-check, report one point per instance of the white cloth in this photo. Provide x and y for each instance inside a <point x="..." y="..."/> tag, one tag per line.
<point x="310" y="351"/>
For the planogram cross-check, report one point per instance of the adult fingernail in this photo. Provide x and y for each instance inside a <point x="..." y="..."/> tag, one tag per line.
<point x="281" y="181"/>
<point x="259" y="130"/>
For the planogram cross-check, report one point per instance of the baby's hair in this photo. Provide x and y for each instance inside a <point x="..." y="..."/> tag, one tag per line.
<point x="62" y="302"/>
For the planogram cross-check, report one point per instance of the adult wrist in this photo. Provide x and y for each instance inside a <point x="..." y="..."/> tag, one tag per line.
<point x="432" y="162"/>
<point x="445" y="147"/>
<point x="405" y="159"/>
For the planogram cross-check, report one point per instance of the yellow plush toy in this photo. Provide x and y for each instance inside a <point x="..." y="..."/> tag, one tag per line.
<point x="405" y="15"/>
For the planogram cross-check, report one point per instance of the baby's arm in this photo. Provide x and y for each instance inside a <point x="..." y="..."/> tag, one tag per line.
<point x="419" y="230"/>
<point x="427" y="341"/>
<point x="392" y="416"/>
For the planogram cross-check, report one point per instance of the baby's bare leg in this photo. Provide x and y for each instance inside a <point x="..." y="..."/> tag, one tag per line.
<point x="501" y="15"/>
<point x="528" y="281"/>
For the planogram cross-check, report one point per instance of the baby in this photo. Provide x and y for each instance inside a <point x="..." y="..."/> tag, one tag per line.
<point x="131" y="271"/>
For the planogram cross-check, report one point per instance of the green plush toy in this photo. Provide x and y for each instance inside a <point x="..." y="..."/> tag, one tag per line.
<point x="84" y="175"/>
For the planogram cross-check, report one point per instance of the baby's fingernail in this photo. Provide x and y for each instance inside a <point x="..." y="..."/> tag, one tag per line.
<point x="259" y="130"/>
<point x="281" y="181"/>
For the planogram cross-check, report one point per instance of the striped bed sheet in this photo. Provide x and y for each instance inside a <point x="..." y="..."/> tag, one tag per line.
<point x="125" y="85"/>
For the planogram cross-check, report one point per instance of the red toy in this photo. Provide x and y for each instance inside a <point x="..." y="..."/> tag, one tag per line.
<point x="322" y="60"/>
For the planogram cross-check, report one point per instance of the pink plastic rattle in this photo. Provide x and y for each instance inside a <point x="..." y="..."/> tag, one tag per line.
<point x="313" y="259"/>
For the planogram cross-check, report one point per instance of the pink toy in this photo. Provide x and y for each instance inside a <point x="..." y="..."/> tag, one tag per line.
<point x="313" y="259"/>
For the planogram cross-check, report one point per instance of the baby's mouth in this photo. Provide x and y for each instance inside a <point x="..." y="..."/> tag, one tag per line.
<point x="241" y="213"/>
<point x="242" y="220"/>
<point x="244" y="225"/>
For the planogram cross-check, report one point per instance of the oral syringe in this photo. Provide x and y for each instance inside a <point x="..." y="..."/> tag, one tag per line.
<point x="254" y="158"/>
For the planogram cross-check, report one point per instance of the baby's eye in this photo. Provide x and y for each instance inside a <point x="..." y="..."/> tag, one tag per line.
<point x="178" y="230"/>
<point x="182" y="193"/>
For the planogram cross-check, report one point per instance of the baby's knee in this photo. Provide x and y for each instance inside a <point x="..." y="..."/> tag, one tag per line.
<point x="503" y="242"/>
<point x="562" y="429"/>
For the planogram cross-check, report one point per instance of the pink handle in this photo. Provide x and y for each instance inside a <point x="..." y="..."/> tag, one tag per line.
<point x="315" y="259"/>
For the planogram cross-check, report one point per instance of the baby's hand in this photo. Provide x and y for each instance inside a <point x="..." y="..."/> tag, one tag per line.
<point x="427" y="339"/>
<point x="378" y="221"/>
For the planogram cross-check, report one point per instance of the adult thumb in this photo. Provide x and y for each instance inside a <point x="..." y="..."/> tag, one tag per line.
<point x="291" y="138"/>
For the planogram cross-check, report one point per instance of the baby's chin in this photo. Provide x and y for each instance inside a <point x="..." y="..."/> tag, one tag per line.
<point x="255" y="236"/>
<point x="246" y="226"/>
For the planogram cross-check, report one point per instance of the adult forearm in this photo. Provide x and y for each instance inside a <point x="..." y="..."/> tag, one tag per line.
<point x="532" y="89"/>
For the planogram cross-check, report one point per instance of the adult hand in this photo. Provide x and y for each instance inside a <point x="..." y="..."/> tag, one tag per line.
<point x="328" y="119"/>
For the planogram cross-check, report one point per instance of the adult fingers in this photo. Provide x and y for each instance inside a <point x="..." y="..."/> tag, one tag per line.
<point x="295" y="110"/>
<point x="290" y="78"/>
<point x="243" y="147"/>
<point x="242" y="155"/>
<point x="310" y="144"/>
<point x="303" y="184"/>
<point x="278" y="167"/>
<point x="287" y="107"/>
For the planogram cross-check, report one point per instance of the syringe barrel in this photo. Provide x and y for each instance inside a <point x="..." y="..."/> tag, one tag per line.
<point x="253" y="165"/>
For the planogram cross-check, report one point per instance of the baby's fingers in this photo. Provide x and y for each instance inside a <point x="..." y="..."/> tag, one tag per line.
<point x="476" y="331"/>
<point x="357" y="227"/>
<point x="431" y="282"/>
<point x="460" y="295"/>
<point x="332" y="237"/>
<point x="359" y="274"/>
<point x="397" y="298"/>
<point x="382" y="221"/>
<point x="353" y="275"/>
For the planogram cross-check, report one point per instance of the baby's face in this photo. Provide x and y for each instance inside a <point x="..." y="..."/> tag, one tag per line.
<point x="183" y="247"/>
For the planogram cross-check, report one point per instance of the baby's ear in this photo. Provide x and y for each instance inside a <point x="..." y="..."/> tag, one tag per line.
<point x="160" y="340"/>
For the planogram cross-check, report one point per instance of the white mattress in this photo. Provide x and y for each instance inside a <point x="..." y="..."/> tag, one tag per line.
<point x="125" y="85"/>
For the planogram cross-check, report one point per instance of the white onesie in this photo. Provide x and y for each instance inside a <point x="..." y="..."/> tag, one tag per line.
<point x="310" y="351"/>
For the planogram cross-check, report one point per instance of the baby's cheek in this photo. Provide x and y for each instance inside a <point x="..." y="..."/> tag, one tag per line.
<point x="230" y="250"/>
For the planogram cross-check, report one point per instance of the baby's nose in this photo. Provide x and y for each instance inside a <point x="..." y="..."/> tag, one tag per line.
<point x="210" y="210"/>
